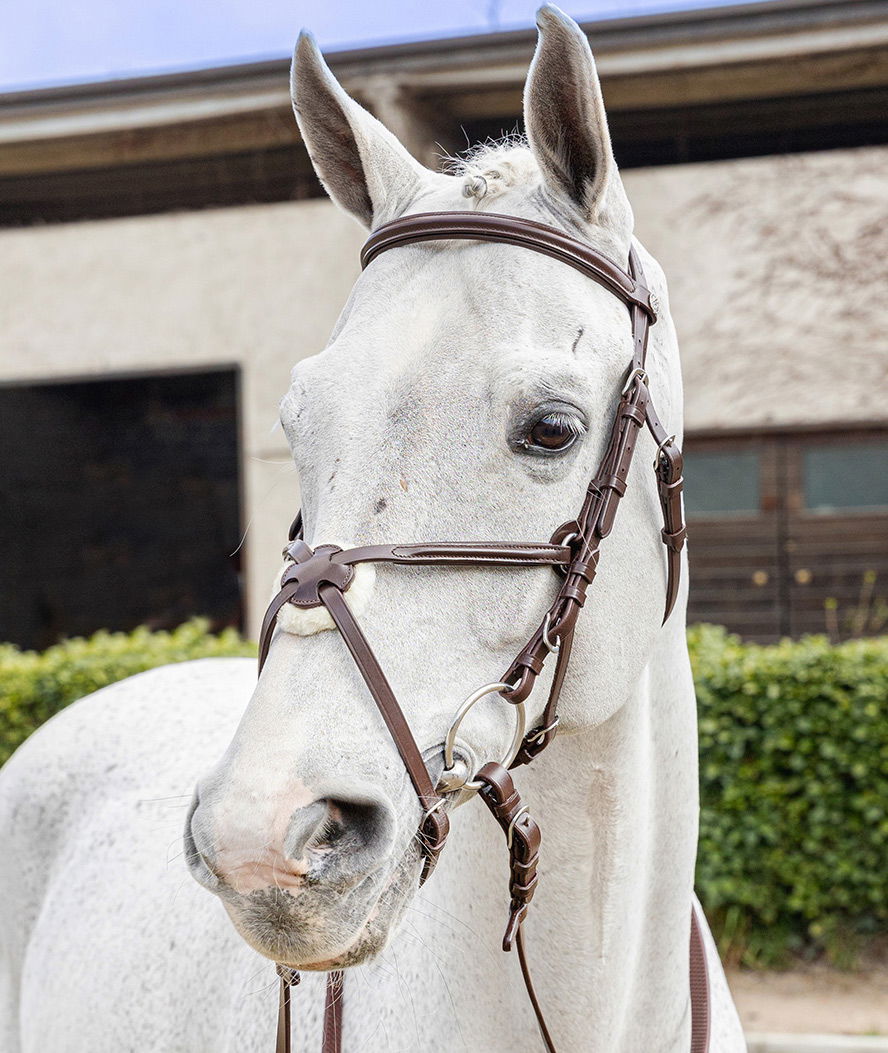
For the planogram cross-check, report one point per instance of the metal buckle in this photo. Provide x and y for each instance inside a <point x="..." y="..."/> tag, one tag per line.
<point x="636" y="374"/>
<point x="517" y="738"/>
<point x="552" y="648"/>
<point x="523" y="810"/>
<point x="434" y="808"/>
<point x="666" y="442"/>
<point x="540" y="733"/>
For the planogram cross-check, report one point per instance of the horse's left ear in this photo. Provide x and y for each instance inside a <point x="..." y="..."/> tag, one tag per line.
<point x="567" y="125"/>
<point x="362" y="166"/>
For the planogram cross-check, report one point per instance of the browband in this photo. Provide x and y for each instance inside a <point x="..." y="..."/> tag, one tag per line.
<point x="512" y="230"/>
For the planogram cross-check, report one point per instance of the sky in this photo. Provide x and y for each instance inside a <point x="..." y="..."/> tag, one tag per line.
<point x="46" y="42"/>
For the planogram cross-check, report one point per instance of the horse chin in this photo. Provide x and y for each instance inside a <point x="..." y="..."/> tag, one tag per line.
<point x="319" y="930"/>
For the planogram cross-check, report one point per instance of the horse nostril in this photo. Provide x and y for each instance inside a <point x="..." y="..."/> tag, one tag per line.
<point x="342" y="837"/>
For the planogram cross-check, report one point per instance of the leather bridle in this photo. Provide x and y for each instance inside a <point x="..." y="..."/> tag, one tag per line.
<point x="322" y="576"/>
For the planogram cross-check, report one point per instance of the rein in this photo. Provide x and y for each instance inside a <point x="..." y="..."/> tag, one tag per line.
<point x="321" y="577"/>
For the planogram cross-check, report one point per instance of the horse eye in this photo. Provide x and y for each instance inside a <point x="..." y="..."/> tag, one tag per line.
<point x="553" y="433"/>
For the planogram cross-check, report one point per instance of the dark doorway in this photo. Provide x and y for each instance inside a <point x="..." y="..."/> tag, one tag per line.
<point x="119" y="505"/>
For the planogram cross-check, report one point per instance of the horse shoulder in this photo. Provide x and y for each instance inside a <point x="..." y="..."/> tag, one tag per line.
<point x="153" y="731"/>
<point x="105" y="784"/>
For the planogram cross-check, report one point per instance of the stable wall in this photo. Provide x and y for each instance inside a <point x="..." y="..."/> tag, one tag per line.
<point x="776" y="267"/>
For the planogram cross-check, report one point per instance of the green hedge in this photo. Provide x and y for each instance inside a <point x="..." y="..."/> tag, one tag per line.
<point x="34" y="686"/>
<point x="793" y="766"/>
<point x="794" y="792"/>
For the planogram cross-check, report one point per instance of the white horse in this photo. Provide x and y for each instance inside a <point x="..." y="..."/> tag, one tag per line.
<point x="416" y="422"/>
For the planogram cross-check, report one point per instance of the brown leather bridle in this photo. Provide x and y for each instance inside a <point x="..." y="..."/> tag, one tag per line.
<point x="321" y="577"/>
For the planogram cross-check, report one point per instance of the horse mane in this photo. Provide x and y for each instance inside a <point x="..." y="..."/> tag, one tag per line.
<point x="494" y="166"/>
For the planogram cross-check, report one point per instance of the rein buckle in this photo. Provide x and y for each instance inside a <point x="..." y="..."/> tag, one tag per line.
<point x="522" y="839"/>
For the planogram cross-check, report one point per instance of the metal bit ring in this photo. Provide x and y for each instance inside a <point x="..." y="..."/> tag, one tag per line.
<point x="517" y="738"/>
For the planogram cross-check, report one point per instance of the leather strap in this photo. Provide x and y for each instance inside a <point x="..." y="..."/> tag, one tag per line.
<point x="701" y="1003"/>
<point x="266" y="633"/>
<point x="334" y="999"/>
<point x="288" y="979"/>
<point x="523" y="841"/>
<point x="670" y="485"/>
<point x="434" y="825"/>
<point x="531" y="993"/>
<point x="462" y="553"/>
<point x="334" y="1004"/>
<point x="539" y="737"/>
<point x="282" y="1044"/>
<point x="511" y="230"/>
<point x="333" y="1010"/>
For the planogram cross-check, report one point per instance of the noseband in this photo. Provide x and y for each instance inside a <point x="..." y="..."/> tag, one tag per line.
<point x="321" y="577"/>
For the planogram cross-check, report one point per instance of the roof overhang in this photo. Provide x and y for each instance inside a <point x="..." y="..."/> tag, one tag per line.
<point x="764" y="50"/>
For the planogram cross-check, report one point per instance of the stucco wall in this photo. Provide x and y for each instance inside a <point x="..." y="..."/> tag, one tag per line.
<point x="778" y="271"/>
<point x="776" y="265"/>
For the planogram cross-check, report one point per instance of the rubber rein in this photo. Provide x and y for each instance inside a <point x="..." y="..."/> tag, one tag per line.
<point x="322" y="576"/>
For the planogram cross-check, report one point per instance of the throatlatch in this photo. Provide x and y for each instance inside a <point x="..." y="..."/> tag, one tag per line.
<point x="322" y="576"/>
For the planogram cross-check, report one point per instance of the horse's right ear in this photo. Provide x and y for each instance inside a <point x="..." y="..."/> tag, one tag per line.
<point x="362" y="166"/>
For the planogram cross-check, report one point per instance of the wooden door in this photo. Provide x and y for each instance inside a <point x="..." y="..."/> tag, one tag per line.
<point x="837" y="533"/>
<point x="733" y="512"/>
<point x="788" y="532"/>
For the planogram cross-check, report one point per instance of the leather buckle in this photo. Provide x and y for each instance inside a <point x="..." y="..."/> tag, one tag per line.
<point x="570" y="535"/>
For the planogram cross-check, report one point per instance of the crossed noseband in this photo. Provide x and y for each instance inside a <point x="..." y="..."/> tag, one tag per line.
<point x="322" y="577"/>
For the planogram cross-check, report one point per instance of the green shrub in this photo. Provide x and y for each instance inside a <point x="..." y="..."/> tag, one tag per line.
<point x="793" y="772"/>
<point x="794" y="793"/>
<point x="34" y="686"/>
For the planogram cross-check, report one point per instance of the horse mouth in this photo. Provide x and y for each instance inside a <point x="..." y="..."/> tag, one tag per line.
<point x="320" y="928"/>
<point x="316" y="936"/>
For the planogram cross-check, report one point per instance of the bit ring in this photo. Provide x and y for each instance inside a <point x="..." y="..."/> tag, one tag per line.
<point x="517" y="738"/>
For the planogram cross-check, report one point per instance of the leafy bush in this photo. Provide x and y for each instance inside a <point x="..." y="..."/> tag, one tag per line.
<point x="794" y="793"/>
<point x="34" y="686"/>
<point x="793" y="769"/>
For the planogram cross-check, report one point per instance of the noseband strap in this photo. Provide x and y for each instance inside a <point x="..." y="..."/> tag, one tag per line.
<point x="322" y="576"/>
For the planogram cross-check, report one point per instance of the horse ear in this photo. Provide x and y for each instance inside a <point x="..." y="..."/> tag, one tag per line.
<point x="363" y="167"/>
<point x="567" y="125"/>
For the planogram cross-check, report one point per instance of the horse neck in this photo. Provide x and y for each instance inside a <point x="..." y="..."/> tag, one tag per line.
<point x="619" y="815"/>
<point x="608" y="929"/>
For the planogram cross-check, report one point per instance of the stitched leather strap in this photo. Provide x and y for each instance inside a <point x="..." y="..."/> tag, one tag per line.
<point x="462" y="553"/>
<point x="511" y="230"/>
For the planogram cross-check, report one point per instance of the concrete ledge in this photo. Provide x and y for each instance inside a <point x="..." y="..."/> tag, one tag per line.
<point x="762" y="1042"/>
